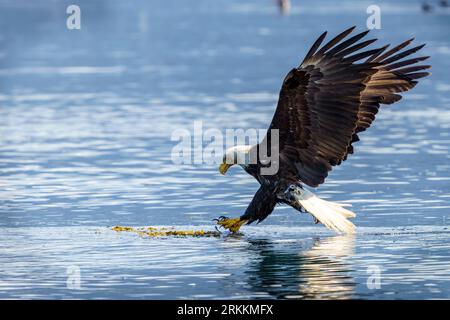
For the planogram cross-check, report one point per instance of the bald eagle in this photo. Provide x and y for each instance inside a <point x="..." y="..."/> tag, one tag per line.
<point x="324" y="104"/>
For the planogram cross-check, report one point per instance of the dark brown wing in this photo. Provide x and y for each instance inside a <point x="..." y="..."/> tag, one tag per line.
<point x="392" y="77"/>
<point x="332" y="96"/>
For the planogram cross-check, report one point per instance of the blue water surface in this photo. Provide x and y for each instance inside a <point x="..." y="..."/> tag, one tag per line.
<point x="86" y="119"/>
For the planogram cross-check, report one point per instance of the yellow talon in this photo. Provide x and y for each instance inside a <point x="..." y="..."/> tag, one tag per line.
<point x="231" y="224"/>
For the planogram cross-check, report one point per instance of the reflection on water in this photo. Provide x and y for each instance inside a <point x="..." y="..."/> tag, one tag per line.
<point x="268" y="262"/>
<point x="327" y="273"/>
<point x="85" y="124"/>
<point x="317" y="272"/>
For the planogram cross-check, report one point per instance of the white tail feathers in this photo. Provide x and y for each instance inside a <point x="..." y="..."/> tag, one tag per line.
<point x="332" y="214"/>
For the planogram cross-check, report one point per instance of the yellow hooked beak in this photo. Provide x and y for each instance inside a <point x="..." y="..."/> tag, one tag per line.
<point x="223" y="168"/>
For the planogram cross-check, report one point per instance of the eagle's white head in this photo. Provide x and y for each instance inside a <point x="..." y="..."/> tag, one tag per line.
<point x="235" y="155"/>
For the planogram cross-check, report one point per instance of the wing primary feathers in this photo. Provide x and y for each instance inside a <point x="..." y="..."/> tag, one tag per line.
<point x="417" y="75"/>
<point x="334" y="95"/>
<point x="356" y="47"/>
<point x="376" y="54"/>
<point x="361" y="55"/>
<point x="314" y="47"/>
<point x="394" y="50"/>
<point x="335" y="40"/>
<point x="405" y="63"/>
<point x="412" y="69"/>
<point x="403" y="54"/>
<point x="347" y="43"/>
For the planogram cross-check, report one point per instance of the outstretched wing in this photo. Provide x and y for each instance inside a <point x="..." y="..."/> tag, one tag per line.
<point x="332" y="96"/>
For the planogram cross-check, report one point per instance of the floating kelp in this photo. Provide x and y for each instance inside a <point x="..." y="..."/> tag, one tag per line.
<point x="166" y="232"/>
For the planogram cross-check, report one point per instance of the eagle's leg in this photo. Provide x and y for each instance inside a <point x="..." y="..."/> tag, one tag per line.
<point x="231" y="224"/>
<point x="259" y="208"/>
